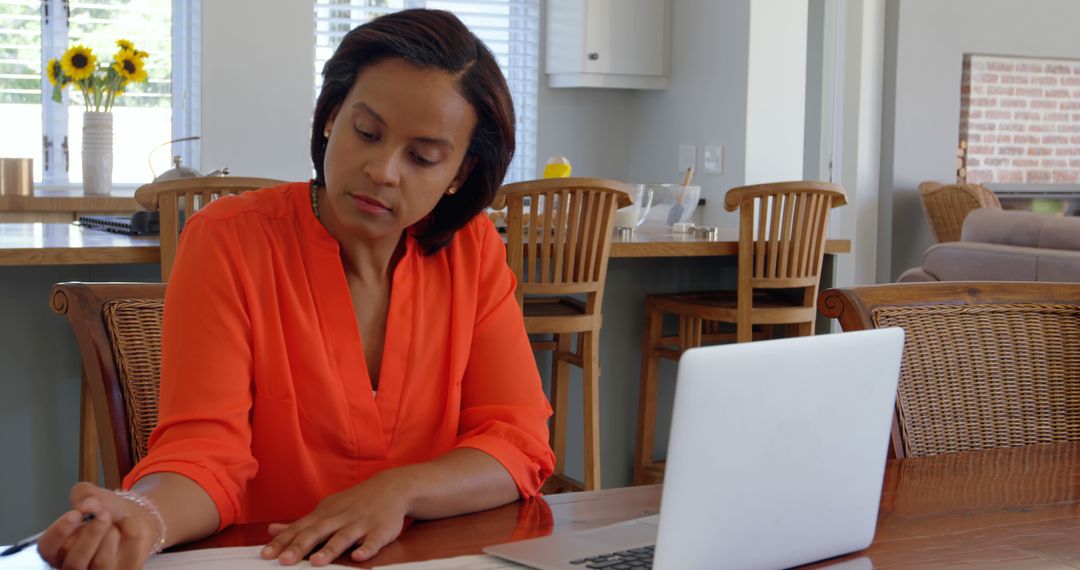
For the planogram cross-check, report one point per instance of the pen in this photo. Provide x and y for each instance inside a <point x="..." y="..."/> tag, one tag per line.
<point x="18" y="546"/>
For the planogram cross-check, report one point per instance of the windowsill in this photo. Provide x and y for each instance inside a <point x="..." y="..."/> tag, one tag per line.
<point x="126" y="190"/>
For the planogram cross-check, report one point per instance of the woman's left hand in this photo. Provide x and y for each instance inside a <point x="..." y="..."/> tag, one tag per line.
<point x="370" y="514"/>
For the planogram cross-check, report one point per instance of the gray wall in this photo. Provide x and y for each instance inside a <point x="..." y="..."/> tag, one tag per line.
<point x="634" y="135"/>
<point x="39" y="411"/>
<point x="705" y="104"/>
<point x="587" y="126"/>
<point x="921" y="124"/>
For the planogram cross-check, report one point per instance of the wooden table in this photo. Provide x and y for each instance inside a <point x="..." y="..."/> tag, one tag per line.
<point x="66" y="244"/>
<point x="1012" y="508"/>
<point x="1009" y="508"/>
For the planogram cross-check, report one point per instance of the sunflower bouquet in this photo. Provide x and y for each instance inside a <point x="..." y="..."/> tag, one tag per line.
<point x="100" y="83"/>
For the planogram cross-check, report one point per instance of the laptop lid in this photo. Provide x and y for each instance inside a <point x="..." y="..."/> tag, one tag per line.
<point x="777" y="450"/>
<point x="776" y="458"/>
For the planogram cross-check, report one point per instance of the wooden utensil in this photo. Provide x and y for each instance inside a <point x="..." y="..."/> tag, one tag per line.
<point x="676" y="211"/>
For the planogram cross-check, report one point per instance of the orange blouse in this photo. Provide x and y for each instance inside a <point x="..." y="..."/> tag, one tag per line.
<point x="265" y="397"/>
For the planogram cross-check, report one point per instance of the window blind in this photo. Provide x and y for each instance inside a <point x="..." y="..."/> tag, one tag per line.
<point x="21" y="80"/>
<point x="510" y="28"/>
<point x="20" y="51"/>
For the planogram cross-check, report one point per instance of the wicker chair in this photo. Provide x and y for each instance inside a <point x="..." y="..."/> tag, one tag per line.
<point x="558" y="239"/>
<point x="985" y="365"/>
<point x="177" y="199"/>
<point x="946" y="206"/>
<point x="118" y="328"/>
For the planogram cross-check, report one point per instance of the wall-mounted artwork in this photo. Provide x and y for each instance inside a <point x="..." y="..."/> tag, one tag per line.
<point x="1019" y="120"/>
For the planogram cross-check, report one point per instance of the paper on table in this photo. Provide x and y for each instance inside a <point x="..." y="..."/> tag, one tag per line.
<point x="238" y="558"/>
<point x="474" y="562"/>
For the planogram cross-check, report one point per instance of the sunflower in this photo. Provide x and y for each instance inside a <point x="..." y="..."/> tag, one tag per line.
<point x="142" y="54"/>
<point x="125" y="45"/>
<point x="53" y="71"/>
<point x="129" y="66"/>
<point x="78" y="63"/>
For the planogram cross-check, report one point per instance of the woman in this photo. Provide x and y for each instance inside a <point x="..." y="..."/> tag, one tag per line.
<point x="343" y="354"/>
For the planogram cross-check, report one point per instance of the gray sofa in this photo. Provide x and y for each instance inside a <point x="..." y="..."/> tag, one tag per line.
<point x="1005" y="245"/>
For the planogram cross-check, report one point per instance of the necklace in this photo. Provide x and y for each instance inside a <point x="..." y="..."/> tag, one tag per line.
<point x="315" y="200"/>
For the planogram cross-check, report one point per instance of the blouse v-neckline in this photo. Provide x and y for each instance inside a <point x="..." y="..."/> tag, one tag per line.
<point x="337" y="313"/>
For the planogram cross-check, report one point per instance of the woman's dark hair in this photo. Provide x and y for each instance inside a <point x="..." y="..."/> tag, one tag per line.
<point x="438" y="40"/>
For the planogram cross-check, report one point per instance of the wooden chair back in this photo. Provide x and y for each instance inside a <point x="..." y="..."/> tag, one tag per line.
<point x="559" y="234"/>
<point x="782" y="231"/>
<point x="179" y="199"/>
<point x="985" y="365"/>
<point x="118" y="328"/>
<point x="946" y="206"/>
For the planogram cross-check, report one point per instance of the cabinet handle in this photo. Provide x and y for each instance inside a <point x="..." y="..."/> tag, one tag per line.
<point x="594" y="56"/>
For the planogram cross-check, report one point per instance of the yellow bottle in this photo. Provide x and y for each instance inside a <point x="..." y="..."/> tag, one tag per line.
<point x="557" y="167"/>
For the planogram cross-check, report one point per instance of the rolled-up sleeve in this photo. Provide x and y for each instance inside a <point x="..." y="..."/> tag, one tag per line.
<point x="504" y="410"/>
<point x="204" y="428"/>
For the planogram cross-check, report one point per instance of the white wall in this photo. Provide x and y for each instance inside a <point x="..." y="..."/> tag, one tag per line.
<point x="776" y="91"/>
<point x="861" y="63"/>
<point x="922" y="96"/>
<point x="258" y="87"/>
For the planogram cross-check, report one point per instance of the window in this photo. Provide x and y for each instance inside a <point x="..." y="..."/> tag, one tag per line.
<point x="508" y="27"/>
<point x="34" y="31"/>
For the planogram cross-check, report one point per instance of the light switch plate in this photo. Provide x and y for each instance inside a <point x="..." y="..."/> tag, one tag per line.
<point x="713" y="159"/>
<point x="687" y="157"/>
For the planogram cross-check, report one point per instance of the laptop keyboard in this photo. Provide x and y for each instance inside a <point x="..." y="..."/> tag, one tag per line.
<point x="636" y="558"/>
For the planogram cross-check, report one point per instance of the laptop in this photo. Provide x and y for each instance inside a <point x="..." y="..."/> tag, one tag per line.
<point x="776" y="458"/>
<point x="138" y="224"/>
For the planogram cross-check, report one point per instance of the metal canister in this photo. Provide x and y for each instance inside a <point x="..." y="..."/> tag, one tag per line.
<point x="707" y="232"/>
<point x="16" y="176"/>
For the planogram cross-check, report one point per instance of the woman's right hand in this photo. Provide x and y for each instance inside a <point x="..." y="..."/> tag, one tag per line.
<point x="121" y="535"/>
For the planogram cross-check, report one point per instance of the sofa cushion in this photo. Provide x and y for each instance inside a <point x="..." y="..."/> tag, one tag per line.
<point x="1061" y="233"/>
<point x="1012" y="227"/>
<point x="964" y="261"/>
<point x="1006" y="227"/>
<point x="1058" y="265"/>
<point x="915" y="275"/>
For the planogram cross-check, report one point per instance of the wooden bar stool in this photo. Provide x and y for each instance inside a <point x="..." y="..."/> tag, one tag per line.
<point x="187" y="196"/>
<point x="558" y="238"/>
<point x="782" y="229"/>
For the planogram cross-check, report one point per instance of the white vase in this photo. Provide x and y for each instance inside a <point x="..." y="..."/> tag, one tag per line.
<point x="97" y="153"/>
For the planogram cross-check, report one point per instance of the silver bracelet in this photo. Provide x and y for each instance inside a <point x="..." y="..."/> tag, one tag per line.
<point x="145" y="502"/>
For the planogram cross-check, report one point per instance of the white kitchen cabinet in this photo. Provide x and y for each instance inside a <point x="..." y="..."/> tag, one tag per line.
<point x="621" y="44"/>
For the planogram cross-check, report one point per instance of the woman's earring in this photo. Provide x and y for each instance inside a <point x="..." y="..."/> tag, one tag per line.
<point x="326" y="133"/>
<point x="451" y="191"/>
